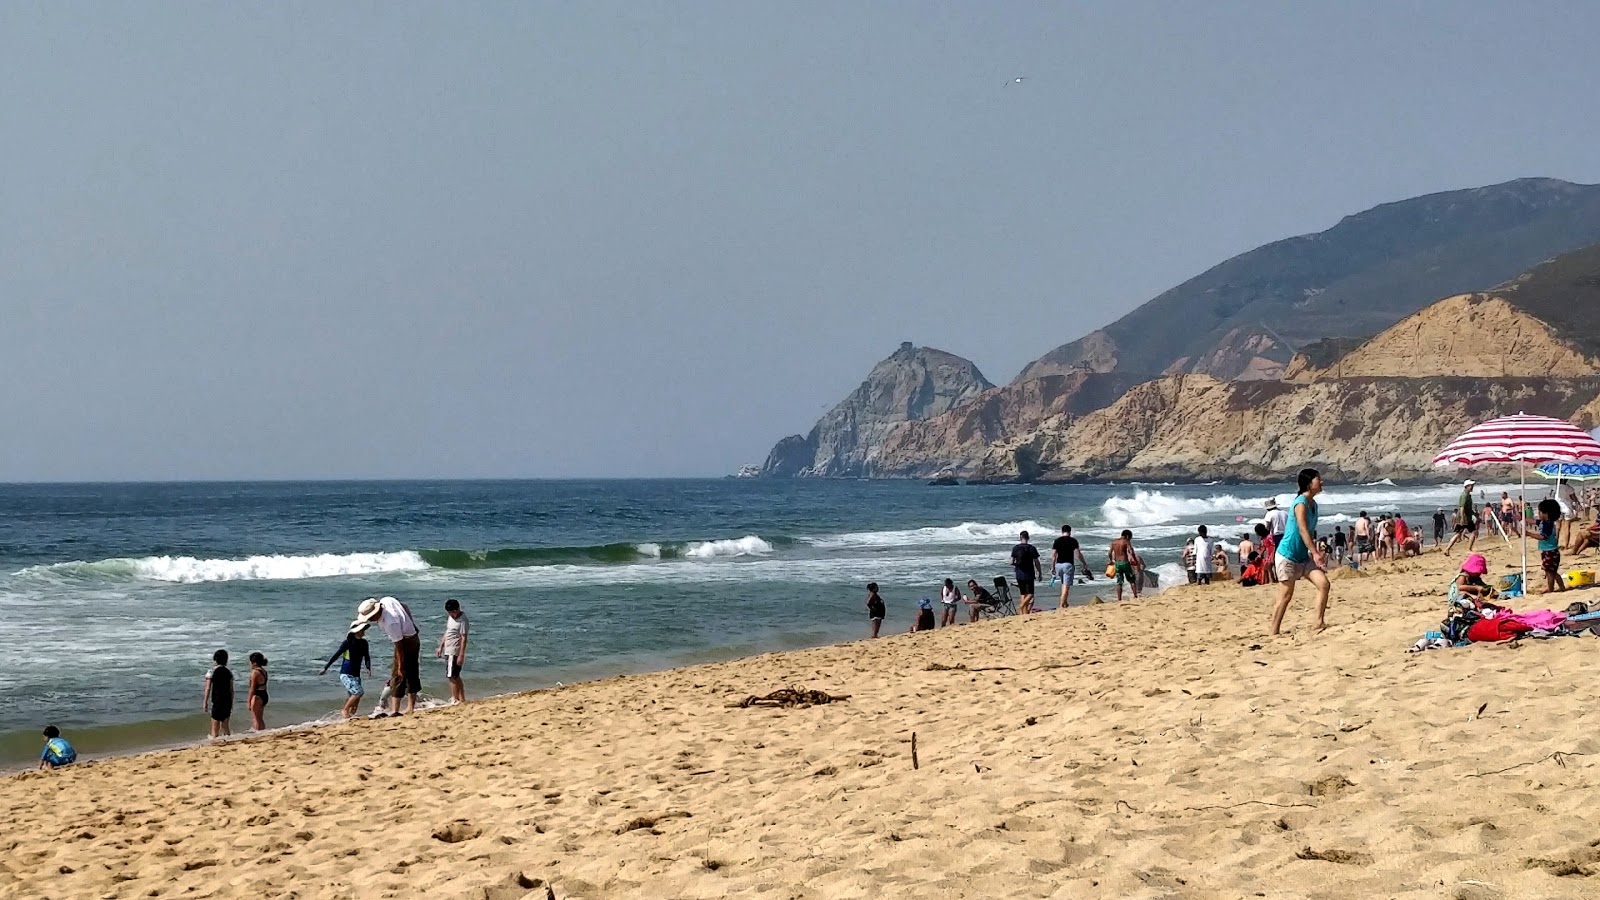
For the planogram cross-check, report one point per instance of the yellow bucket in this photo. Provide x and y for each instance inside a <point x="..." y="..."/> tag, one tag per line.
<point x="1574" y="578"/>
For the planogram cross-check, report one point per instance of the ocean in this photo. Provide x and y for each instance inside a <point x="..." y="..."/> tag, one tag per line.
<point x="114" y="596"/>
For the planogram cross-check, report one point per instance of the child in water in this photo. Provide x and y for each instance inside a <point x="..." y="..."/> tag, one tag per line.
<point x="352" y="654"/>
<point x="257" y="701"/>
<point x="218" y="696"/>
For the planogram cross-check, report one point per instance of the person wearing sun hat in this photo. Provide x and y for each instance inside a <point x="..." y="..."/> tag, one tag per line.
<point x="1466" y="518"/>
<point x="1469" y="590"/>
<point x="394" y="619"/>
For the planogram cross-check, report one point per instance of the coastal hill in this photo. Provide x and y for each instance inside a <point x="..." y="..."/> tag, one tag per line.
<point x="1245" y="317"/>
<point x="1377" y="405"/>
<point x="1383" y="409"/>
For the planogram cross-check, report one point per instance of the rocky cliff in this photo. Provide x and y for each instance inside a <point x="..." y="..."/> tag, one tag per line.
<point x="1247" y="315"/>
<point x="1231" y="402"/>
<point x="912" y="384"/>
<point x="1194" y="427"/>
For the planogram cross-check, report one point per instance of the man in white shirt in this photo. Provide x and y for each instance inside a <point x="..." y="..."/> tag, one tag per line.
<point x="1205" y="549"/>
<point x="394" y="619"/>
<point x="453" y="649"/>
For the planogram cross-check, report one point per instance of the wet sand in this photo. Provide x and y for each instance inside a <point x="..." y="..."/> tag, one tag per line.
<point x="1160" y="748"/>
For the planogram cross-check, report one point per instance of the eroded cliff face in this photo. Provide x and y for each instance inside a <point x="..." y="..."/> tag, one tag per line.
<point x="1200" y="428"/>
<point x="913" y="383"/>
<point x="954" y="442"/>
<point x="1478" y="335"/>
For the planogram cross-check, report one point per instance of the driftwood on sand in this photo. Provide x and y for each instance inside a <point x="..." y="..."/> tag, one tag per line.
<point x="788" y="698"/>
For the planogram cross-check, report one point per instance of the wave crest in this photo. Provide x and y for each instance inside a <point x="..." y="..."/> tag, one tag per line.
<point x="965" y="533"/>
<point x="190" y="570"/>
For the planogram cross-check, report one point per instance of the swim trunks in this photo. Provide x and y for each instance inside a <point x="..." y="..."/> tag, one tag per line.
<point x="1124" y="571"/>
<point x="452" y="667"/>
<point x="352" y="685"/>
<point x="1550" y="561"/>
<point x="1024" y="585"/>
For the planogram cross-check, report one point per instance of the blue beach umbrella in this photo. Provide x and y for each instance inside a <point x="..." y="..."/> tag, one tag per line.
<point x="1570" y="471"/>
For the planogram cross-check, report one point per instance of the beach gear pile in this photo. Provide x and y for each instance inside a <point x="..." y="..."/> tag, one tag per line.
<point x="1475" y="619"/>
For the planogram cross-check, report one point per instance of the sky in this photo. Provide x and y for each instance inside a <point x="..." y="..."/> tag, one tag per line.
<point x="407" y="240"/>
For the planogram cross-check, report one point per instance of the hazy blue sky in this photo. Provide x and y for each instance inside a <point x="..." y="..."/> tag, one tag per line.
<point x="642" y="239"/>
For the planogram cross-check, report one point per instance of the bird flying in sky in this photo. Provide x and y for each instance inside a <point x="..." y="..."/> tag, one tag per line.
<point x="1018" y="80"/>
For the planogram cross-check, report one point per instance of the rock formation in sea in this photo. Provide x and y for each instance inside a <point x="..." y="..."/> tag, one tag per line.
<point x="913" y="383"/>
<point x="1318" y="350"/>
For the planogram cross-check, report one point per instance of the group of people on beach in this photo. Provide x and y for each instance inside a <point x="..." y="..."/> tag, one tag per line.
<point x="1287" y="549"/>
<point x="1067" y="564"/>
<point x="354" y="656"/>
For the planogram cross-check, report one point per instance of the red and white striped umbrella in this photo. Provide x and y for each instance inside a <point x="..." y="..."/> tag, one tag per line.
<point x="1524" y="440"/>
<point x="1520" y="439"/>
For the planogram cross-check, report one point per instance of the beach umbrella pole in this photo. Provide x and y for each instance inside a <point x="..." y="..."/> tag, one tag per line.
<point x="1522" y="471"/>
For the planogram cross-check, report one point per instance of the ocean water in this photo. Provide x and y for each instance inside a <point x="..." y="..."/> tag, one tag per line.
<point x="114" y="596"/>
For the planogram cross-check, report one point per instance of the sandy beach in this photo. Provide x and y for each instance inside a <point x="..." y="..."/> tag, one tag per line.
<point x="1159" y="748"/>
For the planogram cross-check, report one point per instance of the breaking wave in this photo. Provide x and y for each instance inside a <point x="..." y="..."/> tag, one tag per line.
<point x="965" y="533"/>
<point x="189" y="570"/>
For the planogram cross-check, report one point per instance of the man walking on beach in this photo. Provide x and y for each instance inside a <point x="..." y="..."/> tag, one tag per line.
<point x="1125" y="562"/>
<point x="1062" y="554"/>
<point x="1438" y="528"/>
<point x="453" y="648"/>
<point x="394" y="619"/>
<point x="1466" y="524"/>
<point x="1025" y="566"/>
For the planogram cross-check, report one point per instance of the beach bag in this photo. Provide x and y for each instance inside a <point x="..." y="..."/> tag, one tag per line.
<point x="1460" y="622"/>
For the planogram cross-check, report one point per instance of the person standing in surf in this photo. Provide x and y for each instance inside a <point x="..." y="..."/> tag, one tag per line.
<point x="1298" y="554"/>
<point x="397" y="624"/>
<point x="1026" y="568"/>
<point x="453" y="649"/>
<point x="1063" y="553"/>
<point x="876" y="608"/>
<point x="256" y="699"/>
<point x="352" y="655"/>
<point x="217" y="698"/>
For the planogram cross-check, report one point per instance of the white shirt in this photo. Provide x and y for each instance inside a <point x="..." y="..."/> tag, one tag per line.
<point x="395" y="621"/>
<point x="1204" y="549"/>
<point x="455" y="628"/>
<point x="1277" y="522"/>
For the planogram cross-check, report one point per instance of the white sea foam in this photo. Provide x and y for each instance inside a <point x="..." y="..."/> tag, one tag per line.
<point x="965" y="533"/>
<point x="189" y="570"/>
<point x="1156" y="507"/>
<point x="749" y="545"/>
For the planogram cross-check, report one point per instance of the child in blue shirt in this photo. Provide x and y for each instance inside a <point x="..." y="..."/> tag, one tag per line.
<point x="57" y="752"/>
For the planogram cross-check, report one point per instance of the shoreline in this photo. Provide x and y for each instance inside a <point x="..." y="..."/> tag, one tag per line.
<point x="1162" y="748"/>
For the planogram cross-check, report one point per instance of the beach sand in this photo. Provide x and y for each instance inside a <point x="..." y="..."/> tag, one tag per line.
<point x="1159" y="748"/>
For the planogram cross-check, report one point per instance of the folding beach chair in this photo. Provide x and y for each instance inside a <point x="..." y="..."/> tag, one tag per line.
<point x="1003" y="605"/>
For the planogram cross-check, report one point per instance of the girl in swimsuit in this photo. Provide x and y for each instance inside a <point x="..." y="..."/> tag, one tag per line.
<point x="258" y="691"/>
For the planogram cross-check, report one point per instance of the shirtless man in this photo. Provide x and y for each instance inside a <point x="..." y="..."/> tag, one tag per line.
<point x="1125" y="560"/>
<point x="1362" y="530"/>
